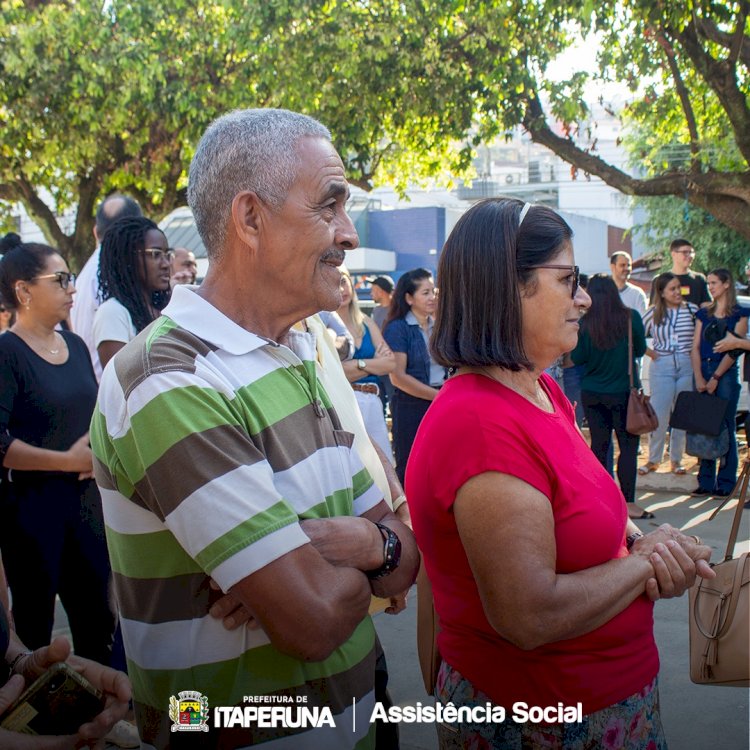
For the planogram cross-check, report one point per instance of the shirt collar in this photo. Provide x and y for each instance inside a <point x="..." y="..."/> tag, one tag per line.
<point x="195" y="314"/>
<point x="411" y="319"/>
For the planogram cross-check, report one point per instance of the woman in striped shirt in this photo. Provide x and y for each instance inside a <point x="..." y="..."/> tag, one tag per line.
<point x="671" y="323"/>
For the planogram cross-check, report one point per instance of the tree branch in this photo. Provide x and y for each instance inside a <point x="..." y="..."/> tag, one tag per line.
<point x="739" y="34"/>
<point x="721" y="76"/>
<point x="710" y="31"/>
<point x="8" y="193"/>
<point x="42" y="215"/>
<point x="684" y="97"/>
<point x="89" y="186"/>
<point x="724" y="195"/>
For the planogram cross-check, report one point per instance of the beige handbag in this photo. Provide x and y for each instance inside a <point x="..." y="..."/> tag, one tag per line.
<point x="720" y="611"/>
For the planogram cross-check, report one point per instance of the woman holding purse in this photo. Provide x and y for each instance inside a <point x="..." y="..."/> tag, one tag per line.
<point x="716" y="371"/>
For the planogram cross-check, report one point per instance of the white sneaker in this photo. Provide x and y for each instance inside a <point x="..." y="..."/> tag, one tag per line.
<point x="123" y="734"/>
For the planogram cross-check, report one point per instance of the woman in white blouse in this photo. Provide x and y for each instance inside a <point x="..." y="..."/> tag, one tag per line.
<point x="671" y="324"/>
<point x="134" y="282"/>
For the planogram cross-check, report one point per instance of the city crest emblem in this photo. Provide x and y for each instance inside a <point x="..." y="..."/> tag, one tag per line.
<point x="189" y="712"/>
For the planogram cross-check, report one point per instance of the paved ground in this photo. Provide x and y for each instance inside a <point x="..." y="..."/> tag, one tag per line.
<point x="695" y="717"/>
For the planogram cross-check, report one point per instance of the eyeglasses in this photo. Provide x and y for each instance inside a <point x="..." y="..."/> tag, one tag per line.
<point x="573" y="269"/>
<point x="158" y="253"/>
<point x="684" y="252"/>
<point x="63" y="278"/>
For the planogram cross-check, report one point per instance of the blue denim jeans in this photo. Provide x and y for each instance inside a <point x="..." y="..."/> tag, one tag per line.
<point x="728" y="388"/>
<point x="670" y="374"/>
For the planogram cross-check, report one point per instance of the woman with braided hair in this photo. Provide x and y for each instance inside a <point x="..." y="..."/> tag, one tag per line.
<point x="134" y="272"/>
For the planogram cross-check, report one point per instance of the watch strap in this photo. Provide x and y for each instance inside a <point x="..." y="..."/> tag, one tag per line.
<point x="391" y="553"/>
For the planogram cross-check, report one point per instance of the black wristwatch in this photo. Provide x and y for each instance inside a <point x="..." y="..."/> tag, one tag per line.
<point x="391" y="553"/>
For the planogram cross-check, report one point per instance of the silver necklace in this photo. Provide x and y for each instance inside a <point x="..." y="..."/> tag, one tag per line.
<point x="41" y="346"/>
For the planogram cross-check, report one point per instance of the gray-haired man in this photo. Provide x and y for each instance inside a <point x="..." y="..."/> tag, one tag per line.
<point x="219" y="455"/>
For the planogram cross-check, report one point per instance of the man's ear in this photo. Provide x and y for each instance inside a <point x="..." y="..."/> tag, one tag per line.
<point x="246" y="216"/>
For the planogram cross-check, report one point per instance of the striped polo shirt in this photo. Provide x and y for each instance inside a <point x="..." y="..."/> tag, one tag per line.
<point x="675" y="332"/>
<point x="210" y="445"/>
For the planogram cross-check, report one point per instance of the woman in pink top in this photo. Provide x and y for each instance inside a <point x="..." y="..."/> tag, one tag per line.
<point x="542" y="584"/>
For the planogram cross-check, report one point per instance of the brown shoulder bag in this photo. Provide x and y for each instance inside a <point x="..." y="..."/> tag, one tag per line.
<point x="641" y="417"/>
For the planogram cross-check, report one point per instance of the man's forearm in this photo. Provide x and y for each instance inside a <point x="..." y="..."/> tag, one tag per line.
<point x="358" y="543"/>
<point x="405" y="574"/>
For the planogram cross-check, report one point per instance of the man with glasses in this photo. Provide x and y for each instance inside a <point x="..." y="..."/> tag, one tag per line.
<point x="693" y="286"/>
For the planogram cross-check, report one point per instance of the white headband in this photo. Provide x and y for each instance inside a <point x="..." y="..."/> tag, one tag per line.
<point x="524" y="211"/>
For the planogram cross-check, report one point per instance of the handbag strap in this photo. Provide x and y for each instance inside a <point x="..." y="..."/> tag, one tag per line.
<point x="741" y="491"/>
<point x="630" y="351"/>
<point x="721" y="623"/>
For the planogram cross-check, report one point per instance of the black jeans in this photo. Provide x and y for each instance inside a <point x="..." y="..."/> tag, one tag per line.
<point x="52" y="539"/>
<point x="606" y="412"/>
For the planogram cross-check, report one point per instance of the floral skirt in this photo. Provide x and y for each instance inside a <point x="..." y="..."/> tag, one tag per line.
<point x="631" y="724"/>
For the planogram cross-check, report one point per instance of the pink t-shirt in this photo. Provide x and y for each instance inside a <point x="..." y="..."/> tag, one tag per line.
<point x="477" y="425"/>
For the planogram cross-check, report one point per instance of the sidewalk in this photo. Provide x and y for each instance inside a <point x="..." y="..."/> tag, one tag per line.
<point x="695" y="717"/>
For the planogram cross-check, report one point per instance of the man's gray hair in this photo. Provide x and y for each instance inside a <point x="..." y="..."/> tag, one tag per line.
<point x="248" y="149"/>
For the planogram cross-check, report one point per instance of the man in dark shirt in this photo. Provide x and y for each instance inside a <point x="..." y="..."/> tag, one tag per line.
<point x="693" y="285"/>
<point x="381" y="290"/>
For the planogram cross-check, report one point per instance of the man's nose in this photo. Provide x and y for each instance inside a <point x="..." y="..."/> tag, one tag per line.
<point x="346" y="234"/>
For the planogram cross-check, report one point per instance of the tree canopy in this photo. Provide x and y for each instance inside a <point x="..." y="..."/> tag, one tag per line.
<point x="102" y="96"/>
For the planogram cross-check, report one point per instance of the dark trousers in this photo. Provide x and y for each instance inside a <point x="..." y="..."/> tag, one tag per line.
<point x="728" y="388"/>
<point x="53" y="543"/>
<point x="572" y="389"/>
<point x="606" y="412"/>
<point x="407" y="412"/>
<point x="386" y="733"/>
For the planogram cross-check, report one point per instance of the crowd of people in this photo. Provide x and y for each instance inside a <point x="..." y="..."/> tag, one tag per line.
<point x="255" y="502"/>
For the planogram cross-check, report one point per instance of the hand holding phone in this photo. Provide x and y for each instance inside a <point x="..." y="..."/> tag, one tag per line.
<point x="114" y="686"/>
<point x="57" y="703"/>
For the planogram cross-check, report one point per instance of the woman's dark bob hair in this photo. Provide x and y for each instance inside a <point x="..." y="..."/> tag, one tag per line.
<point x="487" y="259"/>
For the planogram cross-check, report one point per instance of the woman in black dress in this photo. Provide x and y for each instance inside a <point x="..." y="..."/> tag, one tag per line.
<point x="52" y="534"/>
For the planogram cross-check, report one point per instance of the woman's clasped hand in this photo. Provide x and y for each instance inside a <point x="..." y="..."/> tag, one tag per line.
<point x="677" y="560"/>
